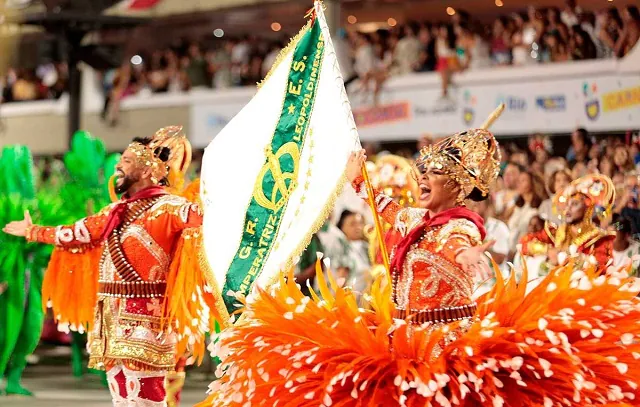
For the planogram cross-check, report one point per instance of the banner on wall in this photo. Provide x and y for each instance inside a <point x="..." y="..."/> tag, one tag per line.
<point x="412" y="106"/>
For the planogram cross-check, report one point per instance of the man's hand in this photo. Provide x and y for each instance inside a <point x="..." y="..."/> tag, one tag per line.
<point x="3" y="287"/>
<point x="474" y="261"/>
<point x="19" y="227"/>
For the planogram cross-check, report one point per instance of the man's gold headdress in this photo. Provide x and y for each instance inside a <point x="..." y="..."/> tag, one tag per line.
<point x="179" y="158"/>
<point x="471" y="158"/>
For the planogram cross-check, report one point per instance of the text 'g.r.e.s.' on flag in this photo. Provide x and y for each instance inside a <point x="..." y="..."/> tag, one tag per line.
<point x="271" y="176"/>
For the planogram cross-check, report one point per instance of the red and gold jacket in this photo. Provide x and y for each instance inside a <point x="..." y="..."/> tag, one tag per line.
<point x="430" y="279"/>
<point x="137" y="290"/>
<point x="592" y="242"/>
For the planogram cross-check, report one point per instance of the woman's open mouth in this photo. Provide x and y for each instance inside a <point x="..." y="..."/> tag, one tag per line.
<point x="425" y="192"/>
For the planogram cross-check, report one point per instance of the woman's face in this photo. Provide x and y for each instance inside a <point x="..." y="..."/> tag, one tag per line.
<point x="594" y="152"/>
<point x="353" y="227"/>
<point x="621" y="156"/>
<point x="437" y="190"/>
<point x="606" y="167"/>
<point x="510" y="176"/>
<point x="524" y="184"/>
<point x="561" y="181"/>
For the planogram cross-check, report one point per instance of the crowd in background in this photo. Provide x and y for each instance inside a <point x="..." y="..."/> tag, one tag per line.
<point x="531" y="37"/>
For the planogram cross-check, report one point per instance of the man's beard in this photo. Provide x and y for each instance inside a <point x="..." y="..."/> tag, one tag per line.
<point x="127" y="182"/>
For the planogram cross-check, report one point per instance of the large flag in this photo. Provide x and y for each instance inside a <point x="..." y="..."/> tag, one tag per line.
<point x="271" y="176"/>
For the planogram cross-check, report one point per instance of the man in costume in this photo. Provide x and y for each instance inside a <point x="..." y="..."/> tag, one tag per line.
<point x="146" y="305"/>
<point x="581" y="204"/>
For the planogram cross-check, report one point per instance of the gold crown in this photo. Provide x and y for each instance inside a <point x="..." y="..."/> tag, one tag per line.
<point x="179" y="159"/>
<point x="471" y="158"/>
<point x="597" y="188"/>
<point x="393" y="175"/>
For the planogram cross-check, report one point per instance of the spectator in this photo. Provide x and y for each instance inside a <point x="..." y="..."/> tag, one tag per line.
<point x="240" y="54"/>
<point x="365" y="59"/>
<point x="622" y="160"/>
<point x="555" y="48"/>
<point x="497" y="230"/>
<point x="530" y="196"/>
<point x="500" y="42"/>
<point x="506" y="198"/>
<point x="626" y="251"/>
<point x="606" y="167"/>
<point x="474" y="50"/>
<point x="343" y="54"/>
<point x="251" y="73"/>
<point x="427" y="58"/>
<point x="348" y="251"/>
<point x="447" y="57"/>
<point x="274" y="50"/>
<point x="196" y="68"/>
<point x="609" y="27"/>
<point x="570" y="15"/>
<point x="580" y="146"/>
<point x="220" y="66"/>
<point x="581" y="45"/>
<point x="158" y="75"/>
<point x="407" y="51"/>
<point x="555" y="25"/>
<point x="25" y="87"/>
<point x="630" y="31"/>
<point x="522" y="39"/>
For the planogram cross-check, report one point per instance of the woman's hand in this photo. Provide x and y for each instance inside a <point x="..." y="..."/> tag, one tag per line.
<point x="354" y="165"/>
<point x="474" y="261"/>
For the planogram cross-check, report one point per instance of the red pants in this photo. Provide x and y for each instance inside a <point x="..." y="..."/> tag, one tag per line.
<point x="136" y="388"/>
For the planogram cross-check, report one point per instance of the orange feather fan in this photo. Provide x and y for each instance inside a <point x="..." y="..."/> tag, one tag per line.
<point x="572" y="341"/>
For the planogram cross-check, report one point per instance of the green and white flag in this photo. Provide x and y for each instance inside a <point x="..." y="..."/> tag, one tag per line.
<point x="270" y="178"/>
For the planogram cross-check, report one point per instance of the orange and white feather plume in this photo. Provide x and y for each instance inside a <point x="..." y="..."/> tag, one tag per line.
<point x="574" y="340"/>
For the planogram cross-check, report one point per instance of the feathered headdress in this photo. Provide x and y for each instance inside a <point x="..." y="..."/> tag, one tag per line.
<point x="471" y="158"/>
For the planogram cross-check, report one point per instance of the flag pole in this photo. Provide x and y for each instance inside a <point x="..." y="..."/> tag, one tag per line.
<point x="376" y="221"/>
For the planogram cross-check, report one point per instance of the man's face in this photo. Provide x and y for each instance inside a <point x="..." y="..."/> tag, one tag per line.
<point x="127" y="171"/>
<point x="576" y="210"/>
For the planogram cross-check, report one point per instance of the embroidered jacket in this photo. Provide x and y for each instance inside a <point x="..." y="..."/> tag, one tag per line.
<point x="591" y="242"/>
<point x="128" y="327"/>
<point x="430" y="277"/>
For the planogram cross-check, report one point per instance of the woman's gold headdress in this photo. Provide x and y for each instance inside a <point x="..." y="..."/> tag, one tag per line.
<point x="471" y="158"/>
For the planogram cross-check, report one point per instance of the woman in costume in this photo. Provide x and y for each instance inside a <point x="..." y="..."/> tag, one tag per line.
<point x="569" y="342"/>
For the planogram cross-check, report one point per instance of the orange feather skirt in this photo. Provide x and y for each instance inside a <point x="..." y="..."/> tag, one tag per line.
<point x="574" y="340"/>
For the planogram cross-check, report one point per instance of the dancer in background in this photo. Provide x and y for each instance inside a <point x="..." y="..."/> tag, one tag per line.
<point x="584" y="202"/>
<point x="21" y="267"/>
<point x="139" y="286"/>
